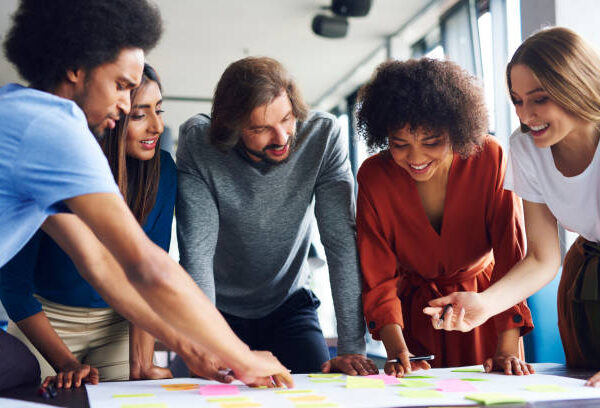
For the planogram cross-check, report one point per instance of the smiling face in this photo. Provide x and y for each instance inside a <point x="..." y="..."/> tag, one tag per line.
<point x="104" y="92"/>
<point x="419" y="152"/>
<point x="549" y="123"/>
<point x="145" y="122"/>
<point x="270" y="132"/>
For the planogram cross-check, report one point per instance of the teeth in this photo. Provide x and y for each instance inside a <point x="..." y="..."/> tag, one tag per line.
<point x="538" y="128"/>
<point x="421" y="167"/>
<point x="148" y="142"/>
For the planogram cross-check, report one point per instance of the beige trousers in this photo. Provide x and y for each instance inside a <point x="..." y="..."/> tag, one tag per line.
<point x="98" y="337"/>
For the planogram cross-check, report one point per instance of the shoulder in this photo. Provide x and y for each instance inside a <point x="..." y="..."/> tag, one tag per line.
<point x="374" y="168"/>
<point x="320" y="125"/>
<point x="195" y="130"/>
<point x="491" y="153"/>
<point x="521" y="144"/>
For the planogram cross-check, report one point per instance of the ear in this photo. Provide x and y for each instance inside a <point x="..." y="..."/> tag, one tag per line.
<point x="76" y="76"/>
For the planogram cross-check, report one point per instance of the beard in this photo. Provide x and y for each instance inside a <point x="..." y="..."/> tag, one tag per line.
<point x="263" y="156"/>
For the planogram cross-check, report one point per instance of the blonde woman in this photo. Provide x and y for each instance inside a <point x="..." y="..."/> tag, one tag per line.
<point x="554" y="166"/>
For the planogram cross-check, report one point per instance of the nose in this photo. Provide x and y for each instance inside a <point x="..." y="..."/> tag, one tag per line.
<point x="280" y="135"/>
<point x="157" y="124"/>
<point x="525" y="113"/>
<point x="124" y="102"/>
<point x="414" y="155"/>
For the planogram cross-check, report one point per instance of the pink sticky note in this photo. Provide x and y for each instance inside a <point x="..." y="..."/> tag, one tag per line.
<point x="221" y="389"/>
<point x="455" y="386"/>
<point x="387" y="379"/>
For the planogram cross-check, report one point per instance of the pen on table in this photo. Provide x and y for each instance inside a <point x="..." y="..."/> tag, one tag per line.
<point x="416" y="358"/>
<point x="439" y="323"/>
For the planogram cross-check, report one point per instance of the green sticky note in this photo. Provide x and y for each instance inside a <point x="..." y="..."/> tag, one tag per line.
<point x="132" y="395"/>
<point x="491" y="398"/>
<point x="327" y="380"/>
<point x="316" y="405"/>
<point x="361" y="382"/>
<point x="410" y="377"/>
<point x="227" y="399"/>
<point x="292" y="391"/>
<point x="421" y="394"/>
<point x="468" y="370"/>
<point x="146" y="405"/>
<point x="414" y="383"/>
<point x="474" y="379"/>
<point x="324" y="375"/>
<point x="545" y="388"/>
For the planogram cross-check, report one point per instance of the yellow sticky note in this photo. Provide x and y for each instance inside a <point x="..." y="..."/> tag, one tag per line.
<point x="132" y="395"/>
<point x="228" y="399"/>
<point x="421" y="394"/>
<point x="146" y="405"/>
<point x="327" y="380"/>
<point x="243" y="404"/>
<point x="316" y="405"/>
<point x="545" y="388"/>
<point x="324" y="375"/>
<point x="490" y="398"/>
<point x="180" y="387"/>
<point x="292" y="391"/>
<point x="468" y="370"/>
<point x="361" y="382"/>
<point x="307" y="398"/>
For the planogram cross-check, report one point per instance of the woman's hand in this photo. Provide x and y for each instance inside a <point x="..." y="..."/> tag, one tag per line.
<point x="263" y="369"/>
<point x="74" y="375"/>
<point x="594" y="381"/>
<point x="509" y="363"/>
<point x="152" y="372"/>
<point x="469" y="310"/>
<point x="393" y="340"/>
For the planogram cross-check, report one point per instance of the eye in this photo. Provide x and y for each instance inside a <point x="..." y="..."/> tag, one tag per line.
<point x="137" y="116"/>
<point x="541" y="100"/>
<point x="516" y="102"/>
<point x="120" y="86"/>
<point x="398" y="146"/>
<point x="159" y="112"/>
<point x="432" y="144"/>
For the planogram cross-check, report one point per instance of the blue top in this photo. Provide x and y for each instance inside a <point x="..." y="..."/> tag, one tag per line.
<point x="48" y="154"/>
<point x="42" y="267"/>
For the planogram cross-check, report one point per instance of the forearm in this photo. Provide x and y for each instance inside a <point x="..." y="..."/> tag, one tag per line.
<point x="523" y="280"/>
<point x="393" y="339"/>
<point x="141" y="351"/>
<point x="508" y="342"/>
<point x="40" y="333"/>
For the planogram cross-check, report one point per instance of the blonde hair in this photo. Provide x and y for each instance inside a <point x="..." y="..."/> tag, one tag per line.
<point x="567" y="67"/>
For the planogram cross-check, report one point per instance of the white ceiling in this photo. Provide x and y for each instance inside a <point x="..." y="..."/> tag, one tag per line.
<point x="202" y="37"/>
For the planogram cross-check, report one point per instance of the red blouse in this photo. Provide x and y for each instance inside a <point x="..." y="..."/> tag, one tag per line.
<point x="405" y="262"/>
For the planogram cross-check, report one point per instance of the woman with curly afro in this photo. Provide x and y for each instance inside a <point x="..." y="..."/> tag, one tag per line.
<point x="433" y="217"/>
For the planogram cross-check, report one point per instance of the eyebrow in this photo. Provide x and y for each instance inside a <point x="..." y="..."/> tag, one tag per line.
<point x="424" y="139"/>
<point x="146" y="106"/>
<point x="129" y="82"/>
<point x="512" y="92"/>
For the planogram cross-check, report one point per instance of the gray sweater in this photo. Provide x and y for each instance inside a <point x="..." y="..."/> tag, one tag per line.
<point x="244" y="227"/>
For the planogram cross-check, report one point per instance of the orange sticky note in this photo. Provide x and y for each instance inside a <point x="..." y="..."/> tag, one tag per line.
<point x="179" y="387"/>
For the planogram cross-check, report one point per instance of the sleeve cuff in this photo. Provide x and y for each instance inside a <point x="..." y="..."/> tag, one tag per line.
<point x="383" y="316"/>
<point x="517" y="316"/>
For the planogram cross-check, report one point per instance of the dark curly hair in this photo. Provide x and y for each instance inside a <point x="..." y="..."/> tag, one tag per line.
<point x="49" y="38"/>
<point x="437" y="96"/>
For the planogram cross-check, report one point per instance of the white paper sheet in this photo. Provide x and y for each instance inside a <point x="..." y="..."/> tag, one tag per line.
<point x="103" y="394"/>
<point x="12" y="403"/>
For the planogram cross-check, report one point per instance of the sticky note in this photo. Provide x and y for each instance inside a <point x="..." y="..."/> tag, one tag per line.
<point x="421" y="394"/>
<point x="490" y="398"/>
<point x="362" y="382"/>
<point x="324" y="375"/>
<point x="243" y="404"/>
<point x="415" y="383"/>
<point x="474" y="379"/>
<point x="292" y="391"/>
<point x="220" y="389"/>
<point x="180" y="387"/>
<point x="387" y="379"/>
<point x="308" y="398"/>
<point x="316" y="405"/>
<point x="410" y="377"/>
<point x="545" y="388"/>
<point x="454" y="385"/>
<point x="327" y="380"/>
<point x="146" y="405"/>
<point x="228" y="399"/>
<point x="132" y="395"/>
<point x="468" y="370"/>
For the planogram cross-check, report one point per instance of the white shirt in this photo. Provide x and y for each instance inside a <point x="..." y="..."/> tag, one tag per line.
<point x="574" y="201"/>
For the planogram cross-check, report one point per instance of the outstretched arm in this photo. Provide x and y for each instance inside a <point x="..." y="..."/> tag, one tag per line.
<point x="158" y="279"/>
<point x="537" y="269"/>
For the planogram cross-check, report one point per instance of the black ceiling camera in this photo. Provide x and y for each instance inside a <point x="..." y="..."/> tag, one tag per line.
<point x="351" y="8"/>
<point x="337" y="26"/>
<point x="330" y="27"/>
